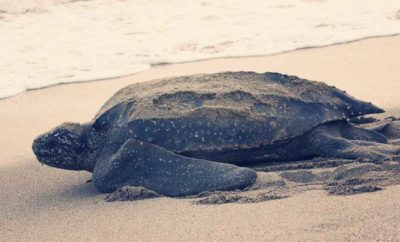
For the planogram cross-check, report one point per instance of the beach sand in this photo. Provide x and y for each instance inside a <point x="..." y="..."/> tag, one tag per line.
<point x="42" y="203"/>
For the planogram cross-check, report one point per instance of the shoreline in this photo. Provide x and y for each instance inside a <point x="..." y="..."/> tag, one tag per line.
<point x="235" y="64"/>
<point x="43" y="203"/>
<point x="205" y="59"/>
<point x="70" y="52"/>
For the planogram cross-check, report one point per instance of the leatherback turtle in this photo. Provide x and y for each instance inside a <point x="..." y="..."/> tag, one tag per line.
<point x="184" y="135"/>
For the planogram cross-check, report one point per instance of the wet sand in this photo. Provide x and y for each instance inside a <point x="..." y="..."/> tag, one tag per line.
<point x="41" y="203"/>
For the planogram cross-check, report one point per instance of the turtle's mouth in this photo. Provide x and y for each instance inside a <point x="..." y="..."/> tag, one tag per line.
<point x="58" y="161"/>
<point x="47" y="157"/>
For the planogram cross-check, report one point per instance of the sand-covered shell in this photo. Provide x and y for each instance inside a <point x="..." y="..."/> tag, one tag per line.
<point x="231" y="110"/>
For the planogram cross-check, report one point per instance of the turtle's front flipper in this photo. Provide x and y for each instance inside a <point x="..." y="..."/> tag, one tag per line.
<point x="342" y="140"/>
<point x="138" y="163"/>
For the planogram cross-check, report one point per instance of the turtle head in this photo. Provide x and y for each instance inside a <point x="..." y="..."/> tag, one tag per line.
<point x="61" y="146"/>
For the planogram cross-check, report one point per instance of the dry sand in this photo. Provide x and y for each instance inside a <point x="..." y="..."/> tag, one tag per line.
<point x="41" y="203"/>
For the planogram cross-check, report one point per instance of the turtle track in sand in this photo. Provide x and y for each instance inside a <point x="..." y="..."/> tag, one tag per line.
<point x="336" y="177"/>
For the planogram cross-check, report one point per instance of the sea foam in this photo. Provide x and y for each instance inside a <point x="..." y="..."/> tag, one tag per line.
<point x="49" y="42"/>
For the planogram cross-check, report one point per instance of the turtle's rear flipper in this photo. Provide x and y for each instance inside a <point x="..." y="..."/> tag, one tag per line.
<point x="342" y="140"/>
<point x="389" y="127"/>
<point x="138" y="163"/>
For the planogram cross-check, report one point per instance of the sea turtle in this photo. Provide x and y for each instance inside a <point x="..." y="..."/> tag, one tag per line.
<point x="184" y="135"/>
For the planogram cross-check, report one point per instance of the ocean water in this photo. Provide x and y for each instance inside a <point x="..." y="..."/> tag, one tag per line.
<point x="46" y="42"/>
